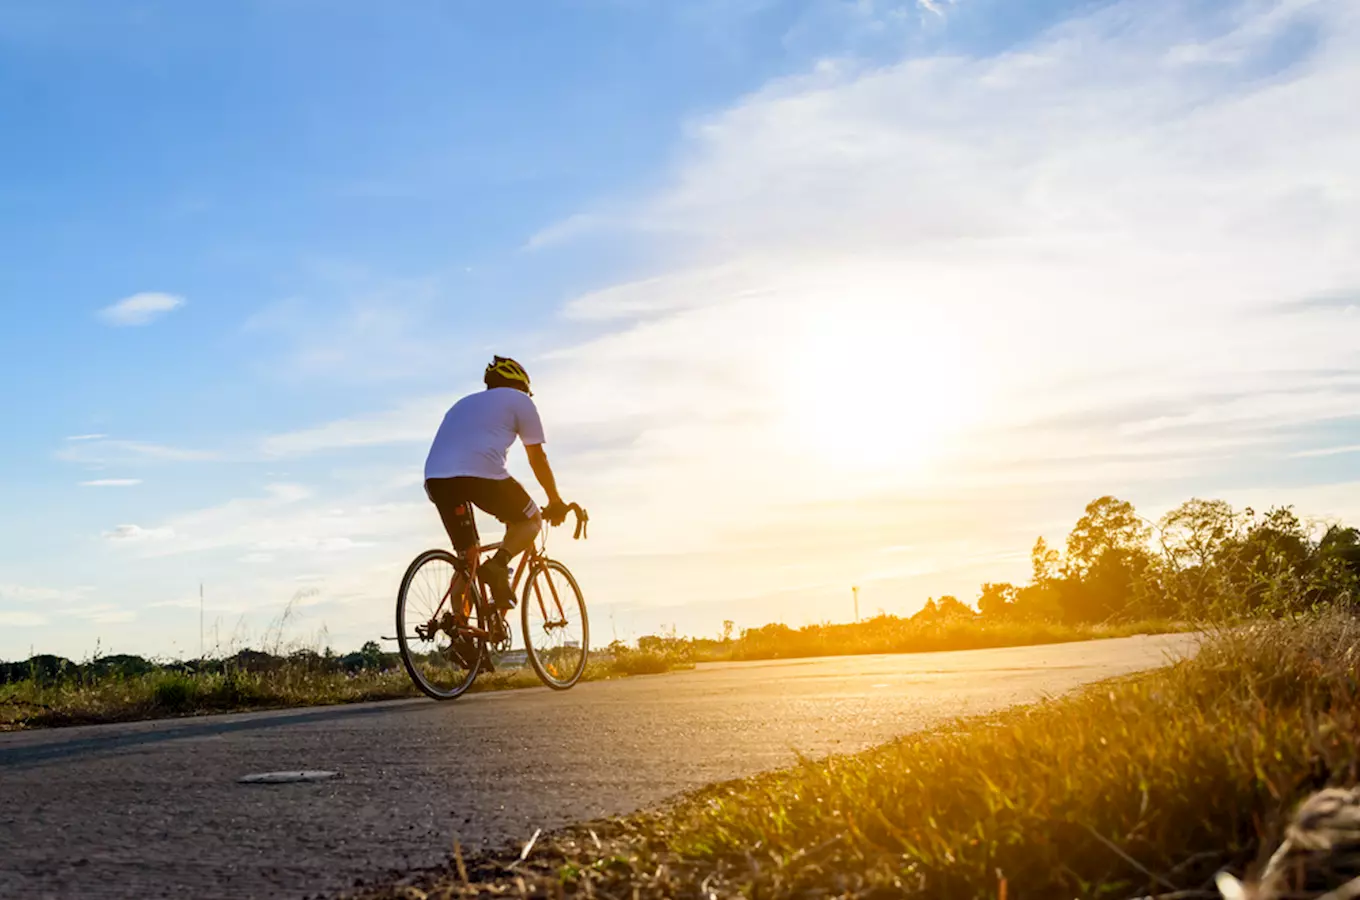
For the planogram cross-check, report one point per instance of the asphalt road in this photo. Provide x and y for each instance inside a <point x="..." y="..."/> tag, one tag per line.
<point x="154" y="809"/>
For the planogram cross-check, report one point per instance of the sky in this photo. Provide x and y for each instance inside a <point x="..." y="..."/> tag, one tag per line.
<point x="814" y="293"/>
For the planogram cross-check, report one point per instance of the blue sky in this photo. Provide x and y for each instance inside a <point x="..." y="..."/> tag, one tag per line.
<point x="1091" y="247"/>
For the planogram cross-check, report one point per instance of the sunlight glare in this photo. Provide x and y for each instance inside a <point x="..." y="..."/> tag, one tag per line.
<point x="872" y="393"/>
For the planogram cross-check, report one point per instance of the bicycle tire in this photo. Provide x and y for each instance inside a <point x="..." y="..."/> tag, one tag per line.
<point x="548" y="663"/>
<point x="421" y="664"/>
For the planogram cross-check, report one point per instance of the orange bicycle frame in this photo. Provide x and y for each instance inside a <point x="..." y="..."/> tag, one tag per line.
<point x="458" y="591"/>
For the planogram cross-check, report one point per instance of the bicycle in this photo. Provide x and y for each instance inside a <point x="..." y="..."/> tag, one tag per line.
<point x="447" y="627"/>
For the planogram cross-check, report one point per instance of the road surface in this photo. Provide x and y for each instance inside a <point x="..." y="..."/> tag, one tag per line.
<point x="154" y="809"/>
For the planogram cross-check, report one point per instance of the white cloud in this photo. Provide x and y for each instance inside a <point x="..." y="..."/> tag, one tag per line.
<point x="112" y="482"/>
<point x="140" y="309"/>
<point x="86" y="437"/>
<point x="133" y="534"/>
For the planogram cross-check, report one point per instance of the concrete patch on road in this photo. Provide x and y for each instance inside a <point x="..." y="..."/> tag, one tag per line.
<point x="287" y="777"/>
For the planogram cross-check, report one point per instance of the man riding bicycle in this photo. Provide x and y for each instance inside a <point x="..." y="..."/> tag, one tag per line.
<point x="466" y="464"/>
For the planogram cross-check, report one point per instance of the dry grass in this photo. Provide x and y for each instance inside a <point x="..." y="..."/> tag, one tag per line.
<point x="1147" y="786"/>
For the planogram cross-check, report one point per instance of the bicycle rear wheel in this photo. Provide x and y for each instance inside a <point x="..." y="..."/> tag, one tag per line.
<point x="439" y="653"/>
<point x="556" y="629"/>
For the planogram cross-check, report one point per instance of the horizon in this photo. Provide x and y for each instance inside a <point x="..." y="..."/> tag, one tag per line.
<point x="814" y="293"/>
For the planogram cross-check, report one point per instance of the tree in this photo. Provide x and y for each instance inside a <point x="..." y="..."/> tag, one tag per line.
<point x="1271" y="563"/>
<point x="1108" y="524"/>
<point x="371" y="654"/>
<point x="1336" y="567"/>
<point x="1197" y="532"/>
<point x="996" y="600"/>
<point x="1109" y="589"/>
<point x="1044" y="562"/>
<point x="951" y="607"/>
<point x="1037" y="602"/>
<point x="947" y="607"/>
<point x="1198" y="539"/>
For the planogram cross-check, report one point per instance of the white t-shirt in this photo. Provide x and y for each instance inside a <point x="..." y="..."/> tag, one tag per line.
<point x="478" y="430"/>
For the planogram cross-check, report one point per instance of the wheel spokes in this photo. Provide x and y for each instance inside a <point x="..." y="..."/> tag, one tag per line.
<point x="555" y="625"/>
<point x="440" y="652"/>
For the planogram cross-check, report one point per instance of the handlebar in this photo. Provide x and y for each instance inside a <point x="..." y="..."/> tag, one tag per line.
<point x="582" y="519"/>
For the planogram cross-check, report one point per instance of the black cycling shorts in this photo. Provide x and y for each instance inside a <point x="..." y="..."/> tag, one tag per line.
<point x="504" y="498"/>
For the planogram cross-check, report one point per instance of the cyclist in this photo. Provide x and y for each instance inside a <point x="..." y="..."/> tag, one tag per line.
<point x="466" y="464"/>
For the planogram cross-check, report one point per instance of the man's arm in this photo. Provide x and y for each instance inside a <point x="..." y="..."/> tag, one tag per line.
<point x="538" y="461"/>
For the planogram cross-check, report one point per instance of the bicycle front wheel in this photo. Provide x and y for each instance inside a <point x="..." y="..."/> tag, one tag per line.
<point x="556" y="630"/>
<point x="438" y="648"/>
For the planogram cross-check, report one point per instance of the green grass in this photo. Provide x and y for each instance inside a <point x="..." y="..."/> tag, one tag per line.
<point x="161" y="694"/>
<point x="1144" y="786"/>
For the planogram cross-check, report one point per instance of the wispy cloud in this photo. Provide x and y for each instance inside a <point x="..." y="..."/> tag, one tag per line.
<point x="1327" y="451"/>
<point x="132" y="534"/>
<point x="561" y="232"/>
<point x="112" y="482"/>
<point x="140" y="309"/>
<point x="102" y="613"/>
<point x="20" y="593"/>
<point x="86" y="437"/>
<point x="99" y="450"/>
<point x="411" y="422"/>
<point x="286" y="519"/>
<point x="934" y="7"/>
<point x="360" y="328"/>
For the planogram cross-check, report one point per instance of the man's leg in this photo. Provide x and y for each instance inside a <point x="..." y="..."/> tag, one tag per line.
<point x="508" y="501"/>
<point x="455" y="512"/>
<point x="519" y="536"/>
<point x="447" y="495"/>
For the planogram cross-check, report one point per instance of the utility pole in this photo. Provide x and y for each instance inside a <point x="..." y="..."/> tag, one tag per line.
<point x="200" y="621"/>
<point x="855" y="590"/>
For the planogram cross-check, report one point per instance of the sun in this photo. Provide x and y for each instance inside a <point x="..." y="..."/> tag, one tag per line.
<point x="875" y="390"/>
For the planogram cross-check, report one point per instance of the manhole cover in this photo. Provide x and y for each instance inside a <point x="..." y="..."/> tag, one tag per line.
<point x="286" y="777"/>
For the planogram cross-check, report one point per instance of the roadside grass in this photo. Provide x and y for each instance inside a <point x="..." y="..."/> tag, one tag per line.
<point x="1144" y="786"/>
<point x="36" y="703"/>
<point x="92" y="694"/>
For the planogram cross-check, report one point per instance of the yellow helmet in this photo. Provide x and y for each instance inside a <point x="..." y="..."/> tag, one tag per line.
<point x="502" y="369"/>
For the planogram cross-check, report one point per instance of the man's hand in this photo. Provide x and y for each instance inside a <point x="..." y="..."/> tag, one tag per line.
<point x="556" y="512"/>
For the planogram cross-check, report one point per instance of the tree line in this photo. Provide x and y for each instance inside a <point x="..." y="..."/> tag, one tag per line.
<point x="1202" y="560"/>
<point x="50" y="669"/>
